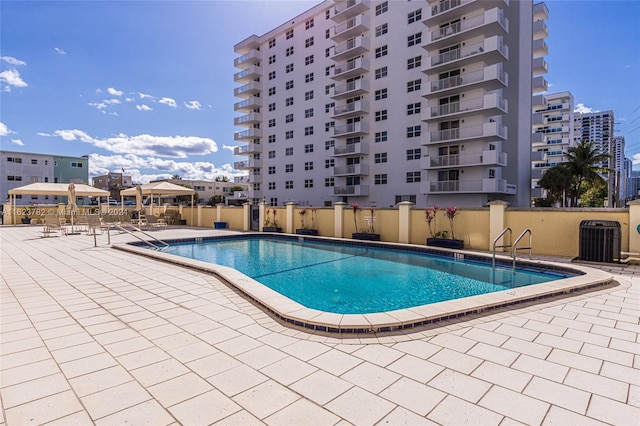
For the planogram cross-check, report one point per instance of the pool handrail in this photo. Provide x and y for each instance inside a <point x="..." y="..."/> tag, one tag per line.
<point x="495" y="246"/>
<point x="515" y="248"/>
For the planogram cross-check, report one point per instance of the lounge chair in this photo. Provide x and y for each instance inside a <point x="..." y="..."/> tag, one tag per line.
<point x="154" y="223"/>
<point x="52" y="224"/>
<point x="94" y="224"/>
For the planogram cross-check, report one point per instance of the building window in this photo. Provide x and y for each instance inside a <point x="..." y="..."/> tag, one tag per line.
<point x="288" y="85"/>
<point x="272" y="185"/>
<point x="308" y="131"/>
<point x="414" y="16"/>
<point x="288" y="134"/>
<point x="272" y="107"/>
<point x="272" y="75"/>
<point x="382" y="8"/>
<point x="414" y="154"/>
<point x="327" y="33"/>
<point x="329" y="144"/>
<point x="381" y="51"/>
<point x="380" y="179"/>
<point x="288" y="184"/>
<point x="381" y="136"/>
<point x="14" y="178"/>
<point x="272" y="154"/>
<point x="289" y="51"/>
<point x="308" y="113"/>
<point x="414" y="131"/>
<point x="381" y="115"/>
<point x="308" y="165"/>
<point x="272" y="43"/>
<point x="413" y="86"/>
<point x="382" y="29"/>
<point x="414" y="39"/>
<point x="272" y="122"/>
<point x="272" y="170"/>
<point x="272" y="91"/>
<point x="308" y="42"/>
<point x="288" y="168"/>
<point x="329" y="182"/>
<point x="327" y="108"/>
<point x="308" y="95"/>
<point x="327" y="52"/>
<point x="289" y="34"/>
<point x="308" y="60"/>
<point x="308" y="78"/>
<point x="76" y="165"/>
<point x="414" y="62"/>
<point x="288" y="101"/>
<point x="288" y="68"/>
<point x="381" y="94"/>
<point x="329" y="163"/>
<point x="288" y="151"/>
<point x="327" y="14"/>
<point x="256" y="172"/>
<point x="401" y="198"/>
<point x="273" y="201"/>
<point x="381" y="72"/>
<point x="380" y="158"/>
<point x="308" y="148"/>
<point x="272" y="139"/>
<point x="328" y="126"/>
<point x="34" y="161"/>
<point x="272" y="59"/>
<point x="308" y="24"/>
<point x="413" y="108"/>
<point x="328" y="87"/>
<point x="288" y="118"/>
<point x="413" y="177"/>
<point x="308" y="183"/>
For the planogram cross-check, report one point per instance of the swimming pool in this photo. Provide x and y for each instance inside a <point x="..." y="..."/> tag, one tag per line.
<point x="577" y="277"/>
<point x="348" y="279"/>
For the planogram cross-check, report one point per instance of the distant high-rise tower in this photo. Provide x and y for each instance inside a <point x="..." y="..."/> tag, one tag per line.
<point x="597" y="127"/>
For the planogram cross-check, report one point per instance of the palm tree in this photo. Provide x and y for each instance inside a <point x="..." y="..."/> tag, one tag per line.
<point x="582" y="161"/>
<point x="557" y="181"/>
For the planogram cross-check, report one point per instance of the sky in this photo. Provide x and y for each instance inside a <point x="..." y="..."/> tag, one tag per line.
<point x="147" y="86"/>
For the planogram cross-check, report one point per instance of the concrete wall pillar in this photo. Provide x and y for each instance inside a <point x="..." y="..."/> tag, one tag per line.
<point x="181" y="210"/>
<point x="634" y="226"/>
<point x="497" y="221"/>
<point x="246" y="222"/>
<point x="263" y="208"/>
<point x="199" y="216"/>
<point x="288" y="222"/>
<point x="219" y="212"/>
<point x="338" y="219"/>
<point x="404" y="222"/>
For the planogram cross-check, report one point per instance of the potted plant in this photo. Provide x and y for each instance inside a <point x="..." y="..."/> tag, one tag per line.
<point x="269" y="225"/>
<point x="219" y="225"/>
<point x="368" y="233"/>
<point x="304" y="230"/>
<point x="26" y="211"/>
<point x="439" y="238"/>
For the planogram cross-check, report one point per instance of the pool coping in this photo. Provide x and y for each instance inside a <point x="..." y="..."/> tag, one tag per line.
<point x="296" y="314"/>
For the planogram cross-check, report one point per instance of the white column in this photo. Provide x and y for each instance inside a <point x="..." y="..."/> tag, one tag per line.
<point x="496" y="221"/>
<point x="338" y="219"/>
<point x="290" y="208"/>
<point x="404" y="222"/>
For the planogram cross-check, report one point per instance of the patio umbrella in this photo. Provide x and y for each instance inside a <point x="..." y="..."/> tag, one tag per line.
<point x="71" y="202"/>
<point x="139" y="202"/>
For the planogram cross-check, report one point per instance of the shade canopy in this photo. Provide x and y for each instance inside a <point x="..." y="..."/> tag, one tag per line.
<point x="60" y="189"/>
<point x="162" y="189"/>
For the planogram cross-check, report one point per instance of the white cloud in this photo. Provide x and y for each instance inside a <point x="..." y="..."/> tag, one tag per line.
<point x="582" y="109"/>
<point x="228" y="147"/>
<point x="4" y="130"/>
<point x="59" y="51"/>
<point x="144" y="107"/>
<point x="13" y="61"/>
<point x="17" y="142"/>
<point x="144" y="95"/>
<point x="193" y="105"/>
<point x="129" y="99"/>
<point x="114" y="92"/>
<point x="44" y="134"/>
<point x="168" y="101"/>
<point x="635" y="159"/>
<point x="104" y="104"/>
<point x="161" y="146"/>
<point x="11" y="77"/>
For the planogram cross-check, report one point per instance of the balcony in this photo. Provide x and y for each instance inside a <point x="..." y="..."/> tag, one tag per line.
<point x="247" y="164"/>
<point x="352" y="129"/>
<point x="540" y="30"/>
<point x="351" y="89"/>
<point x="248" y="90"/>
<point x="361" y="148"/>
<point x="251" y="58"/>
<point x="350" y="48"/>
<point x="247" y="75"/>
<point x="539" y="84"/>
<point x="248" y="119"/>
<point x="490" y="104"/>
<point x="247" y="134"/>
<point x="350" y="28"/>
<point x="248" y="105"/>
<point x="251" y="148"/>
<point x="484" y="158"/>
<point x="350" y="69"/>
<point x="246" y="45"/>
<point x="540" y="48"/>
<point x="490" y="21"/>
<point x="439" y="11"/>
<point x="351" y="109"/>
<point x="486" y="131"/>
<point x="539" y="102"/>
<point x="492" y="78"/>
<point x="346" y="9"/>
<point x="351" y="170"/>
<point x="492" y="49"/>
<point x="351" y="190"/>
<point x="539" y="66"/>
<point x="499" y="186"/>
<point x="540" y="12"/>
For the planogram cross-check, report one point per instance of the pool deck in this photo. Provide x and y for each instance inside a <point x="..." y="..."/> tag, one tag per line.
<point x="93" y="335"/>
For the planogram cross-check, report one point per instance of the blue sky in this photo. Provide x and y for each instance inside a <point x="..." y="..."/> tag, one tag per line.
<point x="147" y="86"/>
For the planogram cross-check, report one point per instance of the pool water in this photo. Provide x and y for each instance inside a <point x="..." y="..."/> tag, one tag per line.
<point x="357" y="279"/>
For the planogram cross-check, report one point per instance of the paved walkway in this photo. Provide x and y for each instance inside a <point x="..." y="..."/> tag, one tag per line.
<point x="92" y="335"/>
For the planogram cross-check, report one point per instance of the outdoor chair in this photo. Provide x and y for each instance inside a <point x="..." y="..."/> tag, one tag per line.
<point x="154" y="223"/>
<point x="94" y="224"/>
<point x="52" y="224"/>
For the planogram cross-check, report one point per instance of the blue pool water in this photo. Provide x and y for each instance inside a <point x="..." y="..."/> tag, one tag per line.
<point x="356" y="279"/>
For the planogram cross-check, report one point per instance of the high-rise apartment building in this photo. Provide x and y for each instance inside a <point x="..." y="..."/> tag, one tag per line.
<point x="618" y="172"/>
<point x="376" y="102"/>
<point x="597" y="127"/>
<point x="553" y="134"/>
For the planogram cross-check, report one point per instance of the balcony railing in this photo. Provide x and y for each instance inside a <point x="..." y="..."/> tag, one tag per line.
<point x="247" y="149"/>
<point x="470" y="186"/>
<point x="248" y="89"/>
<point x="247" y="74"/>
<point x="352" y="88"/>
<point x="353" y="26"/>
<point x="248" y="104"/>
<point x="351" y="129"/>
<point x="253" y="57"/>
<point x="493" y="43"/>
<point x="248" y="134"/>
<point x="473" y="159"/>
<point x="253" y="117"/>
<point x="469" y="105"/>
<point x="493" y="72"/>
<point x="352" y="190"/>
<point x="353" y="170"/>
<point x="351" y="108"/>
<point x="354" y="46"/>
<point x="493" y="15"/>
<point x="351" y="149"/>
<point x="247" y="164"/>
<point x="486" y="130"/>
<point x="348" y="8"/>
<point x="350" y="68"/>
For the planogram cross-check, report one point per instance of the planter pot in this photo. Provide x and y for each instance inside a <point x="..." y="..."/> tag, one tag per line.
<point x="445" y="243"/>
<point x="219" y="225"/>
<point x="25" y="220"/>
<point x="307" y="231"/>
<point x="367" y="237"/>
<point x="271" y="229"/>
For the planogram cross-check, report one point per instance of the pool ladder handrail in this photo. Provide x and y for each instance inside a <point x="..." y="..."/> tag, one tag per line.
<point x="495" y="242"/>
<point x="123" y="229"/>
<point x="515" y="248"/>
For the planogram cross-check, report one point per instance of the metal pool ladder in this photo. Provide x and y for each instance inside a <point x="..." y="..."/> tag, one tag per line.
<point x="513" y="246"/>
